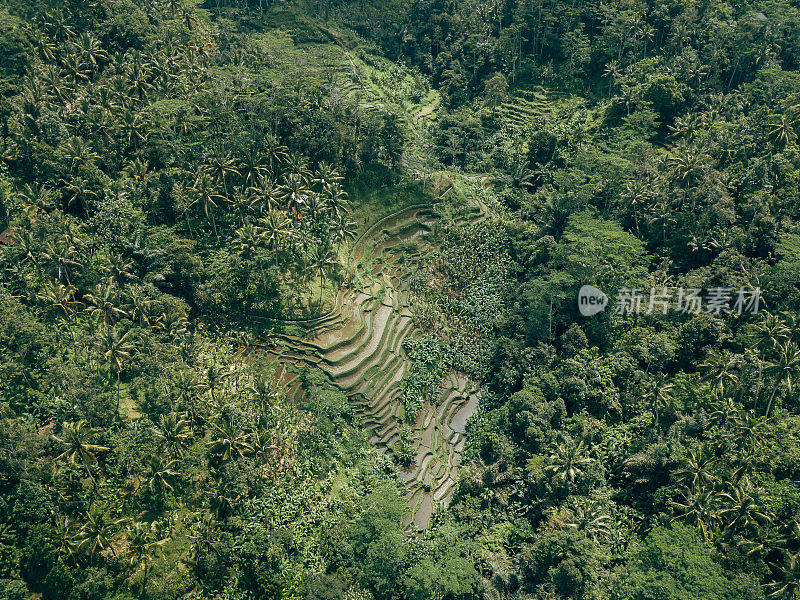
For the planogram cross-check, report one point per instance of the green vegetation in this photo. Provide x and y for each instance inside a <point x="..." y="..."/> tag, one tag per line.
<point x="288" y="300"/>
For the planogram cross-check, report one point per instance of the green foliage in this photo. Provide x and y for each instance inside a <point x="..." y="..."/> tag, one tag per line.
<point x="675" y="563"/>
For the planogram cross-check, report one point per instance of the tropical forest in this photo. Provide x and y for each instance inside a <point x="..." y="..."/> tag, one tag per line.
<point x="399" y="299"/>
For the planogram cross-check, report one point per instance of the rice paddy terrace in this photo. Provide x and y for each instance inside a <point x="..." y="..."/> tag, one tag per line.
<point x="359" y="345"/>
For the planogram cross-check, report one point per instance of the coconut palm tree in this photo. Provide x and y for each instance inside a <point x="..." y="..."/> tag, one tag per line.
<point x="62" y="299"/>
<point x="78" y="440"/>
<point x="248" y="238"/>
<point x="103" y="303"/>
<point x="120" y="269"/>
<point x="659" y="393"/>
<point x="266" y="193"/>
<point x="206" y="194"/>
<point x="786" y="369"/>
<point x="90" y="50"/>
<point x="688" y="163"/>
<point x="251" y="169"/>
<point x="787" y="584"/>
<point x="142" y="542"/>
<point x="62" y="258"/>
<point x="222" y="166"/>
<point x="721" y="370"/>
<point x="740" y="510"/>
<point x="174" y="432"/>
<point x="294" y="192"/>
<point x="322" y="259"/>
<point x="613" y="72"/>
<point x="117" y="350"/>
<point x="697" y="472"/>
<point x="275" y="154"/>
<point x="590" y="518"/>
<point x="229" y="442"/>
<point x="492" y="481"/>
<point x="98" y="530"/>
<point x="161" y="474"/>
<point x="326" y="176"/>
<point x="275" y="227"/>
<point x="336" y="199"/>
<point x="568" y="461"/>
<point x="37" y="199"/>
<point x="66" y="537"/>
<point x="781" y="131"/>
<point x="343" y="228"/>
<point x="138" y="307"/>
<point x="699" y="509"/>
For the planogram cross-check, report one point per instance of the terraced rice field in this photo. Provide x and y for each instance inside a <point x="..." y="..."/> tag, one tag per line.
<point x="359" y="344"/>
<point x="526" y="105"/>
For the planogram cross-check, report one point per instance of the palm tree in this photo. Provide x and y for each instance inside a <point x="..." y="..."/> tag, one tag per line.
<point x="221" y="166"/>
<point x="103" y="303"/>
<point x="781" y="131"/>
<point x="229" y="442"/>
<point x="116" y="351"/>
<point x="298" y="165"/>
<point x="78" y="440"/>
<point x="275" y="227"/>
<point x="275" y="154"/>
<point x="725" y="413"/>
<point x="206" y="194"/>
<point x="343" y="229"/>
<point x="142" y="541"/>
<point x="266" y="192"/>
<point x="37" y="198"/>
<point x="659" y="394"/>
<point x="243" y="203"/>
<point x="637" y="194"/>
<point x="252" y="169"/>
<point x="315" y="206"/>
<point x="90" y="50"/>
<point x="770" y="333"/>
<point x="62" y="256"/>
<point x="699" y="509"/>
<point x="741" y="512"/>
<point x="697" y="473"/>
<point x="568" y="461"/>
<point x="98" y="530"/>
<point x="66" y="537"/>
<point x="294" y="192"/>
<point x="688" y="163"/>
<point x="174" y="432"/>
<point x="786" y="369"/>
<point x="336" y="198"/>
<point x="322" y="259"/>
<point x="492" y="481"/>
<point x="248" y="238"/>
<point x="161" y="474"/>
<point x="119" y="269"/>
<point x="78" y="153"/>
<point x="721" y="370"/>
<point x="139" y="308"/>
<point x="787" y="586"/>
<point x="62" y="298"/>
<point x="613" y="72"/>
<point x="590" y="518"/>
<point x="326" y="176"/>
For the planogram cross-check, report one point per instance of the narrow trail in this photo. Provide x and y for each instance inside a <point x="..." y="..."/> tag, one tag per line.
<point x="359" y="345"/>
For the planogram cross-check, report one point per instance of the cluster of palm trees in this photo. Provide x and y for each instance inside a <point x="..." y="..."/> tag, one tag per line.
<point x="732" y="514"/>
<point x="303" y="214"/>
<point x="766" y="371"/>
<point x="205" y="406"/>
